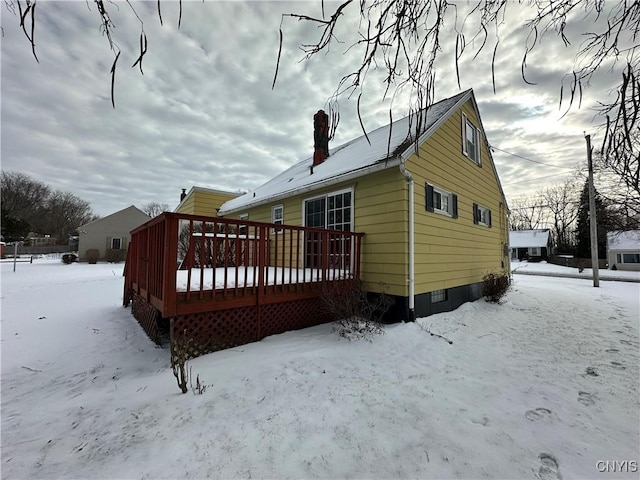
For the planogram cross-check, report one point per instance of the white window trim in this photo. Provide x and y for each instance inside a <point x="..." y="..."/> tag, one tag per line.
<point x="275" y="220"/>
<point x="482" y="208"/>
<point x="121" y="243"/>
<point x="448" y="196"/>
<point x="465" y="121"/>
<point x="621" y="256"/>
<point x="443" y="193"/>
<point x="330" y="194"/>
<point x="532" y="251"/>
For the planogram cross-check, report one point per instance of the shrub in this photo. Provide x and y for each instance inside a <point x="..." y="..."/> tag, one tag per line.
<point x="496" y="285"/>
<point x="92" y="255"/>
<point x="358" y="314"/>
<point x="114" y="256"/>
<point x="68" y="258"/>
<point x="179" y="357"/>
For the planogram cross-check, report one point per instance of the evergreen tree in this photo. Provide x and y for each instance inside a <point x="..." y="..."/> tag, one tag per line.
<point x="583" y="237"/>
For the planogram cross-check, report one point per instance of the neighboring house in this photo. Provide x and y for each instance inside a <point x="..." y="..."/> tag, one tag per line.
<point x="623" y="250"/>
<point x="435" y="221"/>
<point x="110" y="232"/>
<point x="203" y="201"/>
<point x="533" y="245"/>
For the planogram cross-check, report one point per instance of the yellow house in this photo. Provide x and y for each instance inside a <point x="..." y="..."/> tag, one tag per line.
<point x="435" y="219"/>
<point x="203" y="201"/>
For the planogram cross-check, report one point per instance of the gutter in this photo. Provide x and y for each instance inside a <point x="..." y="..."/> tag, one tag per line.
<point x="411" y="279"/>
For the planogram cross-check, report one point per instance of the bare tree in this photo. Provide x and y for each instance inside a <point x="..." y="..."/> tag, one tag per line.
<point x="22" y="203"/>
<point x="562" y="203"/>
<point x="620" y="153"/>
<point x="527" y="213"/>
<point x="619" y="177"/>
<point x="403" y="38"/>
<point x="153" y="209"/>
<point x="65" y="213"/>
<point x="26" y="13"/>
<point x="29" y="205"/>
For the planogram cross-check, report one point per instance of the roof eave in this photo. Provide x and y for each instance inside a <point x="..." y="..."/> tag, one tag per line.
<point x="345" y="177"/>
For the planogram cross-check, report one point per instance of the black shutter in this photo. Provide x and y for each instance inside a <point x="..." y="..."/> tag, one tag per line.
<point x="454" y="205"/>
<point x="428" y="189"/>
<point x="489" y="217"/>
<point x="475" y="213"/>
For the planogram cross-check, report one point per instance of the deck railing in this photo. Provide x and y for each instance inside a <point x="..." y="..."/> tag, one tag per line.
<point x="183" y="263"/>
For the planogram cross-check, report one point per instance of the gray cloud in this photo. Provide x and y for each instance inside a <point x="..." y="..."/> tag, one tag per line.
<point x="204" y="112"/>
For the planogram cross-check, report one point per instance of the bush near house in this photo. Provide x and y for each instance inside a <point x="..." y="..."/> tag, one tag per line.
<point x="496" y="285"/>
<point x="115" y="255"/>
<point x="92" y="255"/>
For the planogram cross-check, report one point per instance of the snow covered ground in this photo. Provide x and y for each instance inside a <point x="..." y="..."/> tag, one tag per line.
<point x="543" y="386"/>
<point x="549" y="268"/>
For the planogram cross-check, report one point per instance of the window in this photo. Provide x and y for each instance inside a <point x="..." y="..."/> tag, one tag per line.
<point x="470" y="140"/>
<point x="116" y="243"/>
<point x="441" y="201"/>
<point x="242" y="229"/>
<point x="481" y="215"/>
<point x="534" y="251"/>
<point x="339" y="211"/>
<point x="628" y="257"/>
<point x="332" y="211"/>
<point x="438" y="296"/>
<point x="277" y="216"/>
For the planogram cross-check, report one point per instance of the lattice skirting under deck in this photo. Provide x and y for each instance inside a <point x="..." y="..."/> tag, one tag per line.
<point x="207" y="332"/>
<point x="147" y="316"/>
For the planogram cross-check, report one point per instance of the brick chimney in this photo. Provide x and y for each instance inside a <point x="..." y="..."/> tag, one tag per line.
<point x="320" y="138"/>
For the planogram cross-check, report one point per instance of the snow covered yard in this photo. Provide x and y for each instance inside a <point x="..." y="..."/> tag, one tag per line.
<point x="543" y="386"/>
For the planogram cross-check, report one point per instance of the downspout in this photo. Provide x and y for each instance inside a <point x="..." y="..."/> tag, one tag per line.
<point x="410" y="183"/>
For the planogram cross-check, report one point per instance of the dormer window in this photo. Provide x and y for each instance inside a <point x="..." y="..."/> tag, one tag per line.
<point x="470" y="140"/>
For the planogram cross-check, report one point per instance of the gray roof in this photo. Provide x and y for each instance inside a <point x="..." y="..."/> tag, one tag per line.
<point x="384" y="148"/>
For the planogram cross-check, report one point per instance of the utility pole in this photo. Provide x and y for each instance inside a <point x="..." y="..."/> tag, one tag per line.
<point x="593" y="227"/>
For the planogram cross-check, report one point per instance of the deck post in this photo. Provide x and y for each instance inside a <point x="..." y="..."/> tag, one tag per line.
<point x="262" y="264"/>
<point x="325" y="255"/>
<point x="169" y="260"/>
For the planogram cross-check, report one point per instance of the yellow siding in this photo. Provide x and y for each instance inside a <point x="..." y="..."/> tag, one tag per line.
<point x="380" y="203"/>
<point x="454" y="252"/>
<point x="204" y="202"/>
<point x="449" y="252"/>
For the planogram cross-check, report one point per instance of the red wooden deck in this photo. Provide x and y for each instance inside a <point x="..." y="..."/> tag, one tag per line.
<point x="223" y="282"/>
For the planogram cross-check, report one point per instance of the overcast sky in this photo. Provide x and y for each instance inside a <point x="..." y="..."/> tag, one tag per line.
<point x="204" y="114"/>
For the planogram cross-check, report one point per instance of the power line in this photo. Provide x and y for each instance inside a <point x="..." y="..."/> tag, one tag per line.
<point x="528" y="159"/>
<point x="534" y="179"/>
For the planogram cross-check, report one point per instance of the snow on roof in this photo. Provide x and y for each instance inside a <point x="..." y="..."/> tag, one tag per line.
<point x="619" y="240"/>
<point x="528" y="238"/>
<point x="355" y="157"/>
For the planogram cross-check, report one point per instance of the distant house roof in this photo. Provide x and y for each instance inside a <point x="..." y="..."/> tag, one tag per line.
<point x="385" y="147"/>
<point x="131" y="210"/>
<point x="629" y="240"/>
<point x="529" y="238"/>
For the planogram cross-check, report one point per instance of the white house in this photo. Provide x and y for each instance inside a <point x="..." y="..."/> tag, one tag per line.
<point x="534" y="245"/>
<point x="623" y="250"/>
